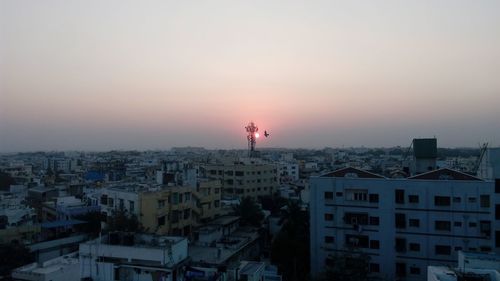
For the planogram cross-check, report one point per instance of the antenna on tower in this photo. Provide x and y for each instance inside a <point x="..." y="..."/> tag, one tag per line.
<point x="252" y="135"/>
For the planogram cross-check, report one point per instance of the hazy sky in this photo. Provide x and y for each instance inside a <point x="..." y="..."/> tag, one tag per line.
<point x="97" y="75"/>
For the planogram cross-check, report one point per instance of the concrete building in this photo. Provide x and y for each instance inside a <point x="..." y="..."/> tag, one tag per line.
<point x="123" y="256"/>
<point x="404" y="225"/>
<point x="163" y="210"/>
<point x="288" y="171"/>
<point x="244" y="178"/>
<point x="62" y="268"/>
<point x="489" y="167"/>
<point x="471" y="266"/>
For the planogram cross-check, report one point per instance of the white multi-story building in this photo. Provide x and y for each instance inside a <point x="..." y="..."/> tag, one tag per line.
<point x="288" y="171"/>
<point x="404" y="225"/>
<point x="123" y="256"/>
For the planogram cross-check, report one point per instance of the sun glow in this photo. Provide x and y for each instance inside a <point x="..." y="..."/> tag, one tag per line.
<point x="257" y="135"/>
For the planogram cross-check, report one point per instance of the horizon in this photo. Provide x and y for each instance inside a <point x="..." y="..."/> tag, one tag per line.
<point x="98" y="76"/>
<point x="233" y="149"/>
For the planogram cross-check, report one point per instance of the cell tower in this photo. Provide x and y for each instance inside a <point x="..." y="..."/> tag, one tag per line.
<point x="252" y="136"/>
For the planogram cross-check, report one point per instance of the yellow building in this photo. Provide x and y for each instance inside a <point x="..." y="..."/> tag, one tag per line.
<point x="175" y="210"/>
<point x="240" y="179"/>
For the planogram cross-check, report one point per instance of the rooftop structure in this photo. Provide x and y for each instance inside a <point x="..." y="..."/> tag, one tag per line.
<point x="62" y="268"/>
<point x="116" y="255"/>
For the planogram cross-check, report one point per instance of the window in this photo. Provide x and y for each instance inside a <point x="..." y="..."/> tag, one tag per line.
<point x="458" y="248"/>
<point x="356" y="195"/>
<point x="328" y="195"/>
<point x="374" y="244"/>
<point x="414" y="222"/>
<point x="486" y="249"/>
<point x="374" y="267"/>
<point x="441" y="200"/>
<point x="472" y="224"/>
<point x="216" y="204"/>
<point x="413" y="198"/>
<point x="161" y="204"/>
<point x="356" y="218"/>
<point x="400" y="196"/>
<point x="414" y="247"/>
<point x="457" y="199"/>
<point x="400" y="245"/>
<point x="415" y="270"/>
<point x="339" y="194"/>
<point x="374" y="221"/>
<point x="216" y="190"/>
<point x="187" y="214"/>
<point x="131" y="206"/>
<point x="161" y="220"/>
<point x="373" y="198"/>
<point x="104" y="199"/>
<point x="484" y="201"/>
<point x="457" y="224"/>
<point x="400" y="220"/>
<point x="497" y="212"/>
<point x="485" y="227"/>
<point x="400" y="269"/>
<point x="329" y="239"/>
<point x="121" y="204"/>
<point x="175" y="198"/>
<point x="442" y="225"/>
<point x="497" y="185"/>
<point x="497" y="239"/>
<point x="328" y="217"/>
<point x="111" y="202"/>
<point x="443" y="250"/>
<point x="360" y="241"/>
<point x="472" y="199"/>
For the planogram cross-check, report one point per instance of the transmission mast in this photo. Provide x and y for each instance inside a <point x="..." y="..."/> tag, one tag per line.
<point x="252" y="135"/>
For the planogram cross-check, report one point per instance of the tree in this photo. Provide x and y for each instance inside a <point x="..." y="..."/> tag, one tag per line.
<point x="93" y="225"/>
<point x="273" y="203"/>
<point x="351" y="265"/>
<point x="122" y="221"/>
<point x="249" y="212"/>
<point x="290" y="249"/>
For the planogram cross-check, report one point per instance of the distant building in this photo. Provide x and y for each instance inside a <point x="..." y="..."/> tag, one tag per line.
<point x="242" y="179"/>
<point x="489" y="167"/>
<point x="404" y="225"/>
<point x="424" y="156"/>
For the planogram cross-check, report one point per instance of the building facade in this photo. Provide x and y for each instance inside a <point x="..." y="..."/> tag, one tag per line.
<point x="404" y="225"/>
<point x="240" y="179"/>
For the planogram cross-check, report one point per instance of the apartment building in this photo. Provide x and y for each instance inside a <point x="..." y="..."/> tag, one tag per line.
<point x="165" y="209"/>
<point x="242" y="179"/>
<point x="404" y="225"/>
<point x="124" y="256"/>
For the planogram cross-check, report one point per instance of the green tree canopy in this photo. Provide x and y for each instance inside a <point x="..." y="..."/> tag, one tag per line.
<point x="249" y="211"/>
<point x="351" y="265"/>
<point x="122" y="221"/>
<point x="290" y="249"/>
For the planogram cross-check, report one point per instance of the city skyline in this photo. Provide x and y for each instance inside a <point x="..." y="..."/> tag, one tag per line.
<point x="122" y="75"/>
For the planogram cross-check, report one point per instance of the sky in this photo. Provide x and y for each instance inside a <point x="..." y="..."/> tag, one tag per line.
<point x="101" y="75"/>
